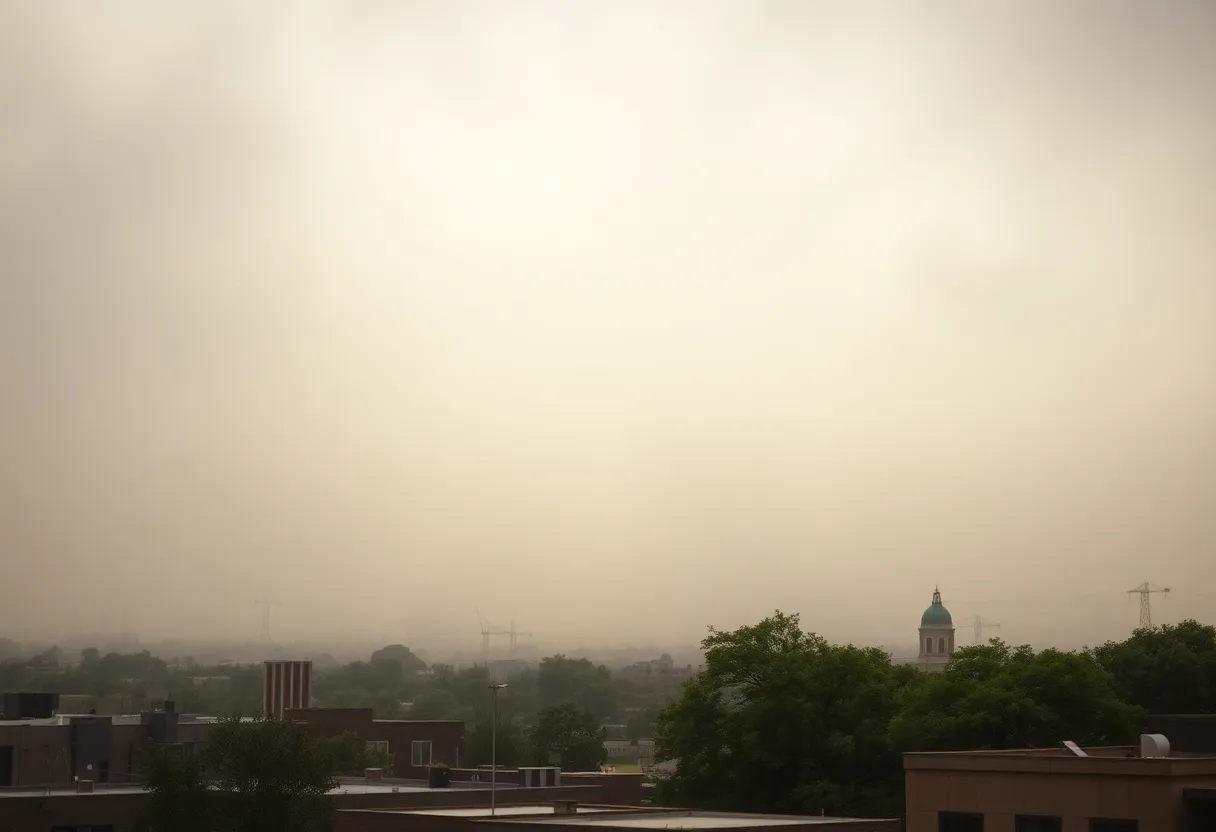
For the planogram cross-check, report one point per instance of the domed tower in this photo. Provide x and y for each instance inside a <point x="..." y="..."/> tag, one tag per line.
<point x="936" y="635"/>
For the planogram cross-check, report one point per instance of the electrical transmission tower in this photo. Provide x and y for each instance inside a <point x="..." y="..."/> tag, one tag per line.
<point x="980" y="625"/>
<point x="1146" y="611"/>
<point x="267" y="604"/>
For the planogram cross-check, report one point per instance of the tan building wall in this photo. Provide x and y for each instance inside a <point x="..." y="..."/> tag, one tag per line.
<point x="1108" y="785"/>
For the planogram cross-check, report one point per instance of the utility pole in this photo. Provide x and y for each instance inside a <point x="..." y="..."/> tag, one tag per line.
<point x="979" y="625"/>
<point x="1146" y="611"/>
<point x="494" y="689"/>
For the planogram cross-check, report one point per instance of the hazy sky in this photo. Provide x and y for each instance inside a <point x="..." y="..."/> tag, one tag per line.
<point x="617" y="318"/>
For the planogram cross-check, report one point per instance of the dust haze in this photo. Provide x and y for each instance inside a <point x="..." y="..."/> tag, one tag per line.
<point x="617" y="319"/>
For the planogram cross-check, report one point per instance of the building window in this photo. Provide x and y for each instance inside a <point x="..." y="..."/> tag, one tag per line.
<point x="1037" y="823"/>
<point x="959" y="822"/>
<point x="941" y="646"/>
<point x="1107" y="825"/>
<point x="420" y="753"/>
<point x="929" y="645"/>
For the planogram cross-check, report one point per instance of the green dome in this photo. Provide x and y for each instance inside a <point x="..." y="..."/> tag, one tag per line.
<point x="936" y="615"/>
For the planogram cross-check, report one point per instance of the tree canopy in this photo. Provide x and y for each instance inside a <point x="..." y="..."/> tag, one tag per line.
<point x="568" y="737"/>
<point x="1167" y="670"/>
<point x="410" y="664"/>
<point x="997" y="696"/>
<point x="262" y="775"/>
<point x="782" y="721"/>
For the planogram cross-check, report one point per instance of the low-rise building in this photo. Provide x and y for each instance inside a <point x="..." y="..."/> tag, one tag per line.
<point x="412" y="745"/>
<point x="1121" y="789"/>
<point x="119" y="808"/>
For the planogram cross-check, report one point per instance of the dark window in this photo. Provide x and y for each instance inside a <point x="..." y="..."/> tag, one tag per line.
<point x="103" y="771"/>
<point x="1106" y="825"/>
<point x="6" y="765"/>
<point x="1037" y="823"/>
<point x="928" y="645"/>
<point x="959" y="822"/>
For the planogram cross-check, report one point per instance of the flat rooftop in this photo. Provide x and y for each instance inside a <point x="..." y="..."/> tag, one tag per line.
<point x="354" y="785"/>
<point x="686" y="820"/>
<point x="501" y="811"/>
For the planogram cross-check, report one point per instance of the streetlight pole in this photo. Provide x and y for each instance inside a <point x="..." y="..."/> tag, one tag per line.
<point x="494" y="689"/>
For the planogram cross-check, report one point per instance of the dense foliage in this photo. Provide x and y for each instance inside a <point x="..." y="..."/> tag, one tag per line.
<point x="567" y="737"/>
<point x="1166" y="670"/>
<point x="261" y="775"/>
<point x="782" y="721"/>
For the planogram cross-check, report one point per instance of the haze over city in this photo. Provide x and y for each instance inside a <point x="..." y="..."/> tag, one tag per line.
<point x="618" y="320"/>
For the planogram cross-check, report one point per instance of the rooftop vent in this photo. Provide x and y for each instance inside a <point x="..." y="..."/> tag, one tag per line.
<point x="1154" y="745"/>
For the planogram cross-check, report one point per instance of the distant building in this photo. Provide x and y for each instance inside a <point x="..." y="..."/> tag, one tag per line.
<point x="936" y="636"/>
<point x="286" y="685"/>
<point x="664" y="665"/>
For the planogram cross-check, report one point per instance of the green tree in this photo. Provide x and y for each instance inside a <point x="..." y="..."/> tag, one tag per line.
<point x="512" y="745"/>
<point x="410" y="664"/>
<point x="996" y="696"/>
<point x="561" y="680"/>
<point x="568" y="737"/>
<point x="434" y="703"/>
<point x="640" y="725"/>
<point x="180" y="801"/>
<point x="262" y="775"/>
<point x="1165" y="670"/>
<point x="782" y="721"/>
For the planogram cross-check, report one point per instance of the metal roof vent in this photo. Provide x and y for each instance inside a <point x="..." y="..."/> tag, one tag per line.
<point x="1154" y="745"/>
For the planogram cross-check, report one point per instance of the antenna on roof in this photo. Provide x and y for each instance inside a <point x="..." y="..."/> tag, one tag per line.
<point x="1074" y="748"/>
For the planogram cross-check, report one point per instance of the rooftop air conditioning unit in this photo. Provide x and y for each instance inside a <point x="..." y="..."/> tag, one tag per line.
<point x="1154" y="745"/>
<point x="539" y="777"/>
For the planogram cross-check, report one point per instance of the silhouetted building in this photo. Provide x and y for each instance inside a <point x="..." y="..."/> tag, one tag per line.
<point x="286" y="685"/>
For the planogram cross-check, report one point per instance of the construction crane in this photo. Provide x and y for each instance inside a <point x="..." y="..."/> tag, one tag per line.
<point x="267" y="604"/>
<point x="980" y="625"/>
<point x="1146" y="591"/>
<point x="514" y="634"/>
<point x="488" y="630"/>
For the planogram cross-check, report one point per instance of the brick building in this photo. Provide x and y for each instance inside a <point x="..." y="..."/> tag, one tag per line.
<point x="412" y="745"/>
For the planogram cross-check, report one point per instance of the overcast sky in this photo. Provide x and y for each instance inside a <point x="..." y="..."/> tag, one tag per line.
<point x="619" y="318"/>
